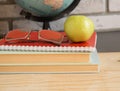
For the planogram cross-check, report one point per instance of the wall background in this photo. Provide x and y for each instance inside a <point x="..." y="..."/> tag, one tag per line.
<point x="104" y="13"/>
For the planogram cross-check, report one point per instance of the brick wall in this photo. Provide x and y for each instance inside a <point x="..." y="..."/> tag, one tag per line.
<point x="104" y="13"/>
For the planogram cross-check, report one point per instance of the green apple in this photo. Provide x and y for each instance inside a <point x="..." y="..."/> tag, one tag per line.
<point x="78" y="28"/>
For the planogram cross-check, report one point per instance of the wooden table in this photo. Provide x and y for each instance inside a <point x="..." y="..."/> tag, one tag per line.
<point x="107" y="80"/>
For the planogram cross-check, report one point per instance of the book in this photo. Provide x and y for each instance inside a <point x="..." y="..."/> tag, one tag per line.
<point x="54" y="68"/>
<point x="37" y="58"/>
<point x="32" y="43"/>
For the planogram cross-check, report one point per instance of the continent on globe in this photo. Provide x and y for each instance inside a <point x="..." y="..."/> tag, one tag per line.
<point x="44" y="8"/>
<point x="55" y="4"/>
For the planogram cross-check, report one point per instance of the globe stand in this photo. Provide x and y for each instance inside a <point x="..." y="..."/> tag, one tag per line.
<point x="29" y="16"/>
<point x="46" y="20"/>
<point x="46" y="25"/>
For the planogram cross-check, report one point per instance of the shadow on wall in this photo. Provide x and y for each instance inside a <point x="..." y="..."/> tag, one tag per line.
<point x="108" y="41"/>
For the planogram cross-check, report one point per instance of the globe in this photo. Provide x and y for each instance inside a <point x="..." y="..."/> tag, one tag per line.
<point x="46" y="10"/>
<point x="44" y="7"/>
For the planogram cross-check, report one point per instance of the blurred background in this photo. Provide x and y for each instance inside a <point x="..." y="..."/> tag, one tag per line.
<point x="104" y="13"/>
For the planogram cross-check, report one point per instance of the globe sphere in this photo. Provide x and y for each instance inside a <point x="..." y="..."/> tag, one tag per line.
<point x="44" y="8"/>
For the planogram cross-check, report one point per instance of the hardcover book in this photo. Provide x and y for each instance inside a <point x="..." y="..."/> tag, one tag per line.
<point x="71" y="67"/>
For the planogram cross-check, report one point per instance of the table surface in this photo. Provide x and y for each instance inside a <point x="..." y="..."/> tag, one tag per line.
<point x="107" y="80"/>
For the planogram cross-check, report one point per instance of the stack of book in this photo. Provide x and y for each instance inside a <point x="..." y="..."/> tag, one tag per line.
<point x="45" y="57"/>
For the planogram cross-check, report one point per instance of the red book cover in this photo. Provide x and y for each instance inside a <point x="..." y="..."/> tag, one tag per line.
<point x="32" y="39"/>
